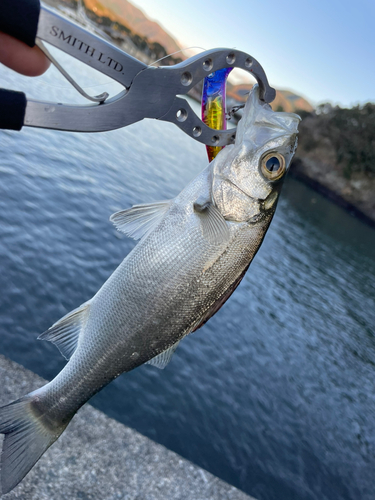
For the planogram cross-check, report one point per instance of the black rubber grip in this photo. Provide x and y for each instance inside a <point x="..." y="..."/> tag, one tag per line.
<point x="12" y="109"/>
<point x="19" y="18"/>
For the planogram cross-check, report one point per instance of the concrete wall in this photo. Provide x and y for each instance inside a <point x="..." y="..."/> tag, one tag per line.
<point x="97" y="458"/>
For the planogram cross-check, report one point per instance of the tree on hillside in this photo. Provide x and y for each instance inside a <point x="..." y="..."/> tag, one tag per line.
<point x="351" y="133"/>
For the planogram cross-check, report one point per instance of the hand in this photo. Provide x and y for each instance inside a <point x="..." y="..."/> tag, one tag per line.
<point x="29" y="61"/>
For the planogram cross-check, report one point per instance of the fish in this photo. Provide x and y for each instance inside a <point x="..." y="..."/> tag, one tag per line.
<point x="192" y="253"/>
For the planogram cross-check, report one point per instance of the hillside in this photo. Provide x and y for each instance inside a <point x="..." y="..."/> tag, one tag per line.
<point x="136" y="34"/>
<point x="128" y="15"/>
<point x="284" y="100"/>
<point x="336" y="152"/>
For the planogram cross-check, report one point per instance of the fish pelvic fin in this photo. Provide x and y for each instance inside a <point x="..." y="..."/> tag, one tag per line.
<point x="65" y="332"/>
<point x="140" y="220"/>
<point x="28" y="433"/>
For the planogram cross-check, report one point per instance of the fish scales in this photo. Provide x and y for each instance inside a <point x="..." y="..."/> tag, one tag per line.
<point x="183" y="295"/>
<point x="194" y="250"/>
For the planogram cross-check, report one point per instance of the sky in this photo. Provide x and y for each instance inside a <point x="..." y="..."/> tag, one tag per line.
<point x="322" y="50"/>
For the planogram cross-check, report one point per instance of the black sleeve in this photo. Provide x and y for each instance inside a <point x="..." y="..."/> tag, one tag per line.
<point x="12" y="109"/>
<point x="19" y="18"/>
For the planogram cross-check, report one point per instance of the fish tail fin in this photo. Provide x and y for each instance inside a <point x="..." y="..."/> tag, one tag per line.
<point x="28" y="433"/>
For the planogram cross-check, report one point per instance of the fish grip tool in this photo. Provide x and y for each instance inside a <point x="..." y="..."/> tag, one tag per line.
<point x="148" y="91"/>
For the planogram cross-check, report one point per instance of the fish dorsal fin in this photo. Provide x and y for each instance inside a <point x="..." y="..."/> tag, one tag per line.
<point x="161" y="360"/>
<point x="139" y="220"/>
<point x="65" y="333"/>
<point x="214" y="226"/>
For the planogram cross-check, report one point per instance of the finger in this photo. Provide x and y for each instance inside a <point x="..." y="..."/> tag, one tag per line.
<point x="22" y="58"/>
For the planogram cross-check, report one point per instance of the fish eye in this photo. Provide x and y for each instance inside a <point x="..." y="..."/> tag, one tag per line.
<point x="273" y="166"/>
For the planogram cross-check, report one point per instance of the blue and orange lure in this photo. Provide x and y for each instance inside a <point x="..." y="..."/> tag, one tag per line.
<point x="213" y="104"/>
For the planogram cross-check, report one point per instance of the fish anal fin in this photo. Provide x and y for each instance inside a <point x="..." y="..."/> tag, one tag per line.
<point x="65" y="332"/>
<point x="139" y="220"/>
<point x="161" y="360"/>
<point x="214" y="227"/>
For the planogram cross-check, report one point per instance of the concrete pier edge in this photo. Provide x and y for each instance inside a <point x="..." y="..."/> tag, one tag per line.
<point x="98" y="458"/>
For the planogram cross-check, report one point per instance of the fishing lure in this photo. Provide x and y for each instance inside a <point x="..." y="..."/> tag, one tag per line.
<point x="213" y="104"/>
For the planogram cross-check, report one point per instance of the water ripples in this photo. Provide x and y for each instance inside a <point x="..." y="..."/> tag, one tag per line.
<point x="275" y="394"/>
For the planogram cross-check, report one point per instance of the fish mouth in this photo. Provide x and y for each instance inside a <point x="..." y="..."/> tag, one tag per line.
<point x="271" y="199"/>
<point x="267" y="203"/>
<point x="260" y="123"/>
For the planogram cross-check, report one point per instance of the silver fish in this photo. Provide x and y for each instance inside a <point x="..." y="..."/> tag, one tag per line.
<point x="193" y="252"/>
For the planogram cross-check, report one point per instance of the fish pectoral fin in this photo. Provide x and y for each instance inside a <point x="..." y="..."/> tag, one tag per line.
<point x="161" y="360"/>
<point x="139" y="220"/>
<point x="65" y="332"/>
<point x="214" y="227"/>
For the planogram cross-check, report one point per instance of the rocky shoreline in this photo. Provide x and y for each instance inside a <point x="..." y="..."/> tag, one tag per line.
<point x="356" y="195"/>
